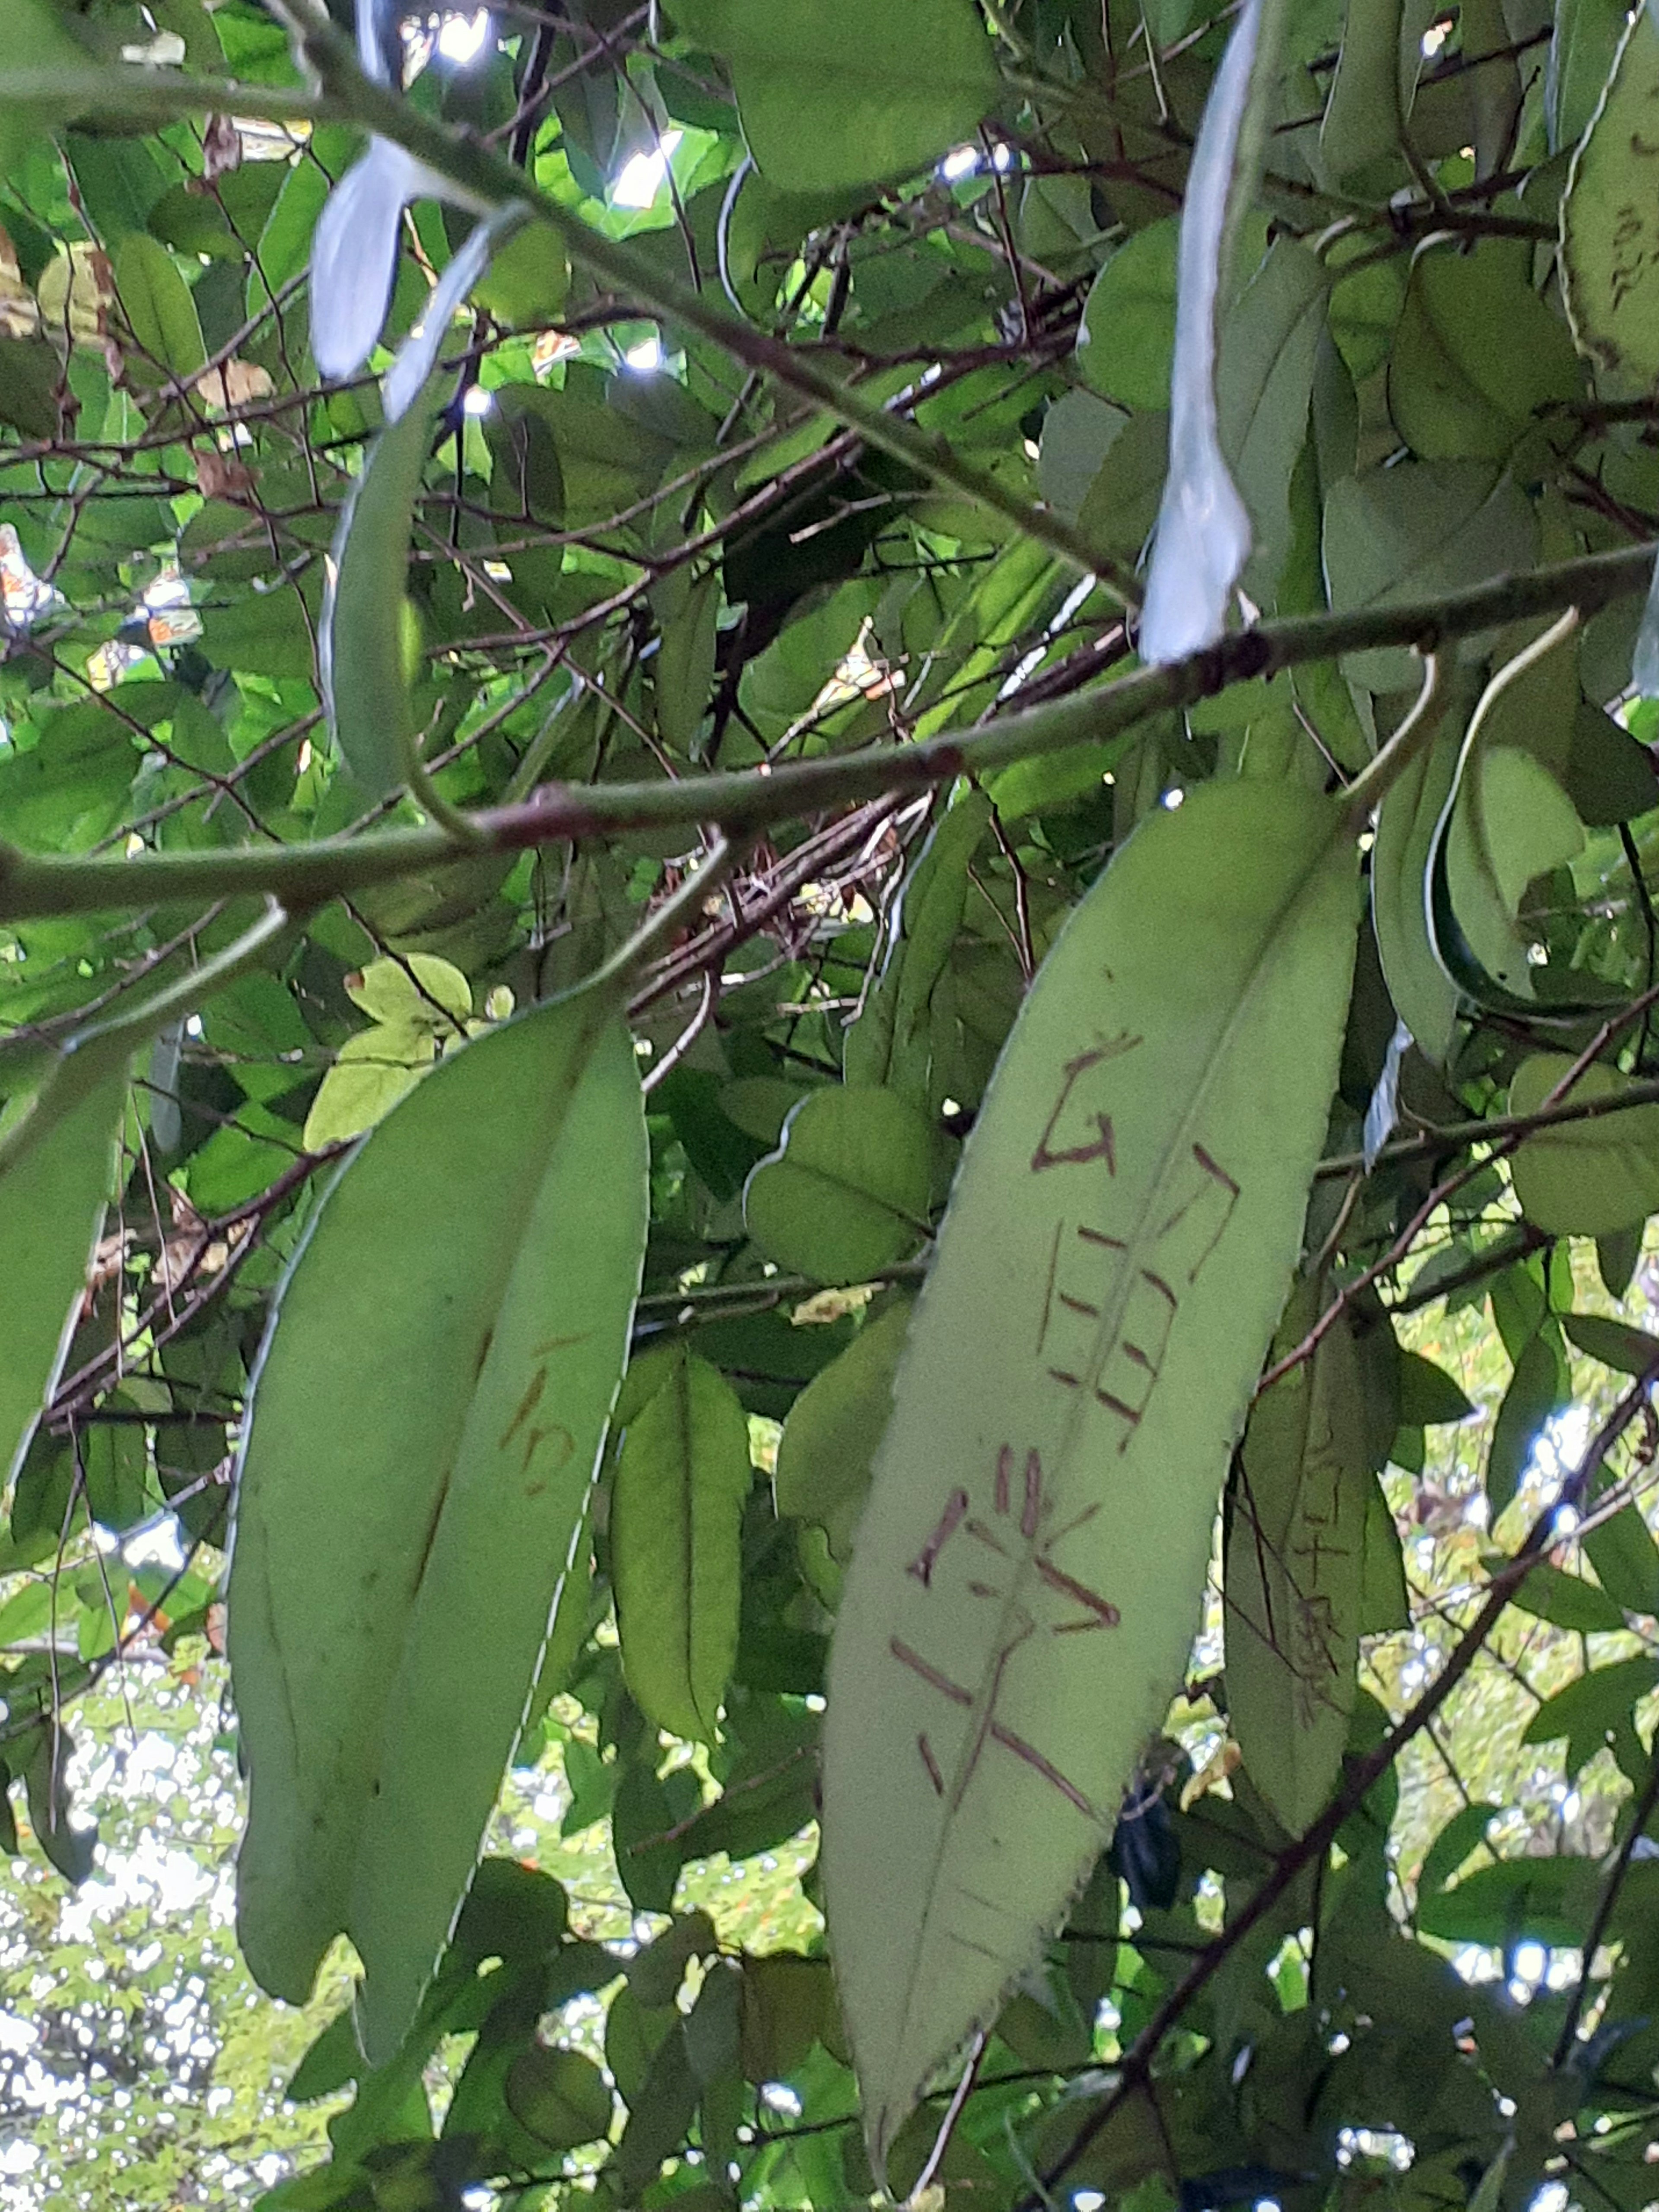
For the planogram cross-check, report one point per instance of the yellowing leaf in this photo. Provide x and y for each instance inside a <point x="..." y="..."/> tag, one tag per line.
<point x="682" y="1474"/>
<point x="1028" y="1573"/>
<point x="422" y="1437"/>
<point x="75" y="291"/>
<point x="419" y="989"/>
<point x="371" y="1072"/>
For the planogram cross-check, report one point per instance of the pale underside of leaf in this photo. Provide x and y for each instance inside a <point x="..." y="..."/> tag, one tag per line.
<point x="426" y="1421"/>
<point x="1027" y="1575"/>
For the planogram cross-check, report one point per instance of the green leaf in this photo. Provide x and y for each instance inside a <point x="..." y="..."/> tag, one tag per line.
<point x="1126" y="340"/>
<point x="1584" y="1178"/>
<point x="1428" y="1395"/>
<point x="1376" y="72"/>
<point x="1263" y="379"/>
<point x="1587" y="34"/>
<point x="686" y="665"/>
<point x="1508" y="821"/>
<point x="1294" y="1569"/>
<point x="1616" y="1260"/>
<point x="1119" y="1247"/>
<point x="1462" y="1834"/>
<point x="452" y="1329"/>
<point x="683" y="1475"/>
<point x="1625" y="1558"/>
<point x="1614" y="1343"/>
<point x="1568" y="1602"/>
<point x="892" y="1043"/>
<point x="1477" y="356"/>
<point x="159" y="311"/>
<point x="559" y="2097"/>
<point x="1610" y="776"/>
<point x="1536" y="1390"/>
<point x="528" y="278"/>
<point x="1425" y="997"/>
<point x="1610" y="218"/>
<point x="829" y="1441"/>
<point x="264" y="634"/>
<point x="1500" y="1904"/>
<point x="43" y="1758"/>
<point x="888" y="89"/>
<point x="1384" y="1601"/>
<point x="30" y="375"/>
<point x="846" y="1192"/>
<point x="1414" y="530"/>
<point x="362" y="650"/>
<point x="1588" y="1710"/>
<point x="51" y="1204"/>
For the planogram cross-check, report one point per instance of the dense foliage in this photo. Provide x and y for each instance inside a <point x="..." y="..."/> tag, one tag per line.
<point x="827" y="982"/>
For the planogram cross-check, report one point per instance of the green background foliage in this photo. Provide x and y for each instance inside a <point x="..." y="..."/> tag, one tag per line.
<point x="599" y="1597"/>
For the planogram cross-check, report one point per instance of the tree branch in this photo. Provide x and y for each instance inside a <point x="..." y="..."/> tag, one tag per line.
<point x="306" y="875"/>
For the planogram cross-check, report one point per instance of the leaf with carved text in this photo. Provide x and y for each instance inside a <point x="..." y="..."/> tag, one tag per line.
<point x="1294" y="1569"/>
<point x="1028" y="1573"/>
<point x="452" y="1329"/>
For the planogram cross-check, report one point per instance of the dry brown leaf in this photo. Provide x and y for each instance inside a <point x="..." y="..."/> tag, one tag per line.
<point x="236" y="384"/>
<point x="222" y="476"/>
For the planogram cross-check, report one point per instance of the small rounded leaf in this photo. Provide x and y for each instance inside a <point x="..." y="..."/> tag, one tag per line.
<point x="846" y="1193"/>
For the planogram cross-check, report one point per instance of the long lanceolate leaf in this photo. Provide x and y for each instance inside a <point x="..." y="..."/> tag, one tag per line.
<point x="1026" y="1579"/>
<point x="426" y="1422"/>
<point x="1203" y="536"/>
<point x="51" y="1200"/>
<point x="365" y="684"/>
